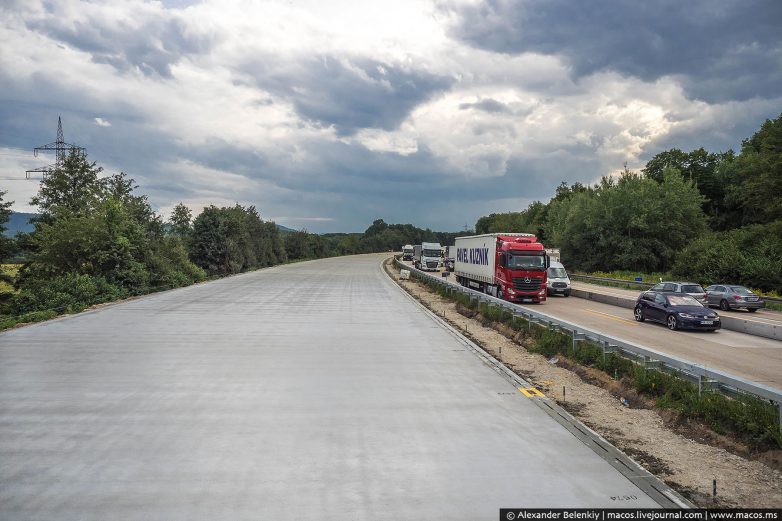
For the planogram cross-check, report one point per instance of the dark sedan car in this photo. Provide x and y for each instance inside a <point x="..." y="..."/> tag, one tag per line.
<point x="675" y="310"/>
<point x="728" y="296"/>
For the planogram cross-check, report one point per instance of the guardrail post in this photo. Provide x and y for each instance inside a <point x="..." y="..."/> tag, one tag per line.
<point x="706" y="384"/>
<point x="578" y="337"/>
<point x="608" y="349"/>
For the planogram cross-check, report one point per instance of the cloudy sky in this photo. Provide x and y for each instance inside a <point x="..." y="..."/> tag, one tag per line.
<point x="329" y="114"/>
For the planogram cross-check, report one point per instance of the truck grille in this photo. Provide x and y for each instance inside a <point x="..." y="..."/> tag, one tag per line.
<point x="521" y="284"/>
<point x="558" y="285"/>
<point x="431" y="264"/>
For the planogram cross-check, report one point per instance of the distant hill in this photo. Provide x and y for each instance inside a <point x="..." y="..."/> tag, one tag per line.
<point x="285" y="228"/>
<point x="18" y="222"/>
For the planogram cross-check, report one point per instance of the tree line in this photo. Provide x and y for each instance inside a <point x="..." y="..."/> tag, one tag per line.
<point x="700" y="215"/>
<point x="95" y="239"/>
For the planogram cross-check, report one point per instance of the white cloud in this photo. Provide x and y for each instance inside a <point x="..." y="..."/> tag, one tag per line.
<point x="102" y="122"/>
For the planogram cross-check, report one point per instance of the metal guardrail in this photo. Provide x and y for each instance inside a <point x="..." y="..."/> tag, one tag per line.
<point x="642" y="284"/>
<point x="706" y="379"/>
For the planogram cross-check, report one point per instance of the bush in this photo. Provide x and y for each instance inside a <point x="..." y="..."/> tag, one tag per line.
<point x="751" y="255"/>
<point x="66" y="293"/>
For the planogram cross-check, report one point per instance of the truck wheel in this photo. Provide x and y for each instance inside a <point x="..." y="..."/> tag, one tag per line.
<point x="500" y="294"/>
<point x="567" y="293"/>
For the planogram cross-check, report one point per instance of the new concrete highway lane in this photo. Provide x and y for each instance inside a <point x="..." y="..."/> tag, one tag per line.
<point x="315" y="390"/>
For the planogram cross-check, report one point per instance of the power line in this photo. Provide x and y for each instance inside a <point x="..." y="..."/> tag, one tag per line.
<point x="59" y="147"/>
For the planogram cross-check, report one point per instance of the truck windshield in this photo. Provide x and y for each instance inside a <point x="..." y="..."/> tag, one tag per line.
<point x="522" y="261"/>
<point x="431" y="253"/>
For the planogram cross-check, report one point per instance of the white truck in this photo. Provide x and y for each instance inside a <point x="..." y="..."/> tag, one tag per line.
<point x="407" y="252"/>
<point x="427" y="256"/>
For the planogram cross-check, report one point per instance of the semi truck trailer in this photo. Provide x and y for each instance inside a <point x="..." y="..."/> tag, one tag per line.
<point x="510" y="266"/>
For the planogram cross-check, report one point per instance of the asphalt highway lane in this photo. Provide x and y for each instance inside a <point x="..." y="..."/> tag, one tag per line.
<point x="751" y="357"/>
<point x="764" y="316"/>
<point x="315" y="390"/>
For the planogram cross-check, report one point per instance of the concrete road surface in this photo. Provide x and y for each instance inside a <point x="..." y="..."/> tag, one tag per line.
<point x="316" y="390"/>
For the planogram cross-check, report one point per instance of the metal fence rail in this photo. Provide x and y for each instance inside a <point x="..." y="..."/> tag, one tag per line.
<point x="588" y="278"/>
<point x="706" y="379"/>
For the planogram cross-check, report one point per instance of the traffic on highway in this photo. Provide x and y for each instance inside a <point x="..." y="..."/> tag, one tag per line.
<point x="677" y="318"/>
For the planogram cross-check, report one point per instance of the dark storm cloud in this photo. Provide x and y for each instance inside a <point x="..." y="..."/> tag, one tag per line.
<point x="721" y="50"/>
<point x="487" y="105"/>
<point x="348" y="94"/>
<point x="148" y="43"/>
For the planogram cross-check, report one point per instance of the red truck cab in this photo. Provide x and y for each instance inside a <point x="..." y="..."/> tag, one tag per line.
<point x="521" y="269"/>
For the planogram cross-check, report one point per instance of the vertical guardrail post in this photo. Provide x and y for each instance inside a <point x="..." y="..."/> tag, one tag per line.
<point x="705" y="384"/>
<point x="577" y="337"/>
<point x="608" y="349"/>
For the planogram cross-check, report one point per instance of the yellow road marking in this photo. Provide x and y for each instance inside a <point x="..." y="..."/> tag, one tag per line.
<point x="612" y="317"/>
<point x="531" y="392"/>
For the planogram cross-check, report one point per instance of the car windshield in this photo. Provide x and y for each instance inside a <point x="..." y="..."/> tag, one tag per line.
<point x="682" y="300"/>
<point x="692" y="288"/>
<point x="741" y="290"/>
<point x="521" y="261"/>
<point x="431" y="253"/>
<point x="558" y="273"/>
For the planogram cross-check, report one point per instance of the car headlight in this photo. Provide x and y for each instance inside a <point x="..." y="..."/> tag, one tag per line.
<point x="687" y="315"/>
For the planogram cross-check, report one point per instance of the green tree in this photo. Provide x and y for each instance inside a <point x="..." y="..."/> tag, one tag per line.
<point x="630" y="223"/>
<point x="751" y="255"/>
<point x="710" y="174"/>
<point x="99" y="238"/>
<point x="72" y="188"/>
<point x="181" y="221"/>
<point x="6" y="244"/>
<point x="759" y="171"/>
<point x="235" y="239"/>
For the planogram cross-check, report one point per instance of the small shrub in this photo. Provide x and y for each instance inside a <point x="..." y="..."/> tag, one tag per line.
<point x="65" y="294"/>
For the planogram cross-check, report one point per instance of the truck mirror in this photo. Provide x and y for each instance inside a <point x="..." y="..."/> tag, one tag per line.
<point x="548" y="262"/>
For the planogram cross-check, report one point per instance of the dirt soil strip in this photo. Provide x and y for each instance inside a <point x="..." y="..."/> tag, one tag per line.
<point x="687" y="465"/>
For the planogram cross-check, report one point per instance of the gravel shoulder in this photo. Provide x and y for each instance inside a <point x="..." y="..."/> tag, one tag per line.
<point x="686" y="464"/>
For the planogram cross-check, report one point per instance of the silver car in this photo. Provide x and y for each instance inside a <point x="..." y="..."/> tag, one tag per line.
<point x="693" y="289"/>
<point x="728" y="296"/>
